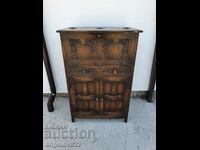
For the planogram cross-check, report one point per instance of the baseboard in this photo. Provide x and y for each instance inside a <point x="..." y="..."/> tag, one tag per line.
<point x="134" y="94"/>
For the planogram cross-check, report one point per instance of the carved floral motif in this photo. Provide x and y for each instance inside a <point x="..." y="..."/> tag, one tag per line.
<point x="125" y="44"/>
<point x="106" y="43"/>
<point x="75" y="43"/>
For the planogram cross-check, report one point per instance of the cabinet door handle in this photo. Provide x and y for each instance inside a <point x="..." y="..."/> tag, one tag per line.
<point x="101" y="99"/>
<point x="97" y="99"/>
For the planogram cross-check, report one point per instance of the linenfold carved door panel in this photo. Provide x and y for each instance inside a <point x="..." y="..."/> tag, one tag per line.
<point x="86" y="90"/>
<point x="112" y="95"/>
<point x="99" y="95"/>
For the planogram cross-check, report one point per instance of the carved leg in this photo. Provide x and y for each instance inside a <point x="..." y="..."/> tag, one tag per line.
<point x="50" y="103"/>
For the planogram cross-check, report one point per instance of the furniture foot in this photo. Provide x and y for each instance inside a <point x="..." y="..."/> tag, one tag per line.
<point x="50" y="103"/>
<point x="73" y="119"/>
<point x="125" y="120"/>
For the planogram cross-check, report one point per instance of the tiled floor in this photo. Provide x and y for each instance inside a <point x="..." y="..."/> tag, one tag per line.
<point x="139" y="133"/>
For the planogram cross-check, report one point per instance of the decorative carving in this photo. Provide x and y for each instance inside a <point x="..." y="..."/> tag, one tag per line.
<point x="77" y="69"/>
<point x="83" y="70"/>
<point x="124" y="70"/>
<point x="125" y="44"/>
<point x="117" y="70"/>
<point x="106" y="43"/>
<point x="75" y="43"/>
<point x="107" y="70"/>
<point x="91" y="44"/>
<point x="98" y="64"/>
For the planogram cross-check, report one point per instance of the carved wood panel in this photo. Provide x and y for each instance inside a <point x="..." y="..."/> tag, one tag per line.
<point x="85" y="95"/>
<point x="125" y="47"/>
<point x="115" y="48"/>
<point x="82" y="48"/>
<point x="112" y="93"/>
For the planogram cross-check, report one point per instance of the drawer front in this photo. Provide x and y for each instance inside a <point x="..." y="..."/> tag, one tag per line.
<point x="99" y="71"/>
<point x="83" y="71"/>
<point x="116" y="71"/>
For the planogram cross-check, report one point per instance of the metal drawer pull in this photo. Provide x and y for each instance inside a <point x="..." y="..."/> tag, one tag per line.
<point x="83" y="71"/>
<point x="97" y="99"/>
<point x="99" y="35"/>
<point x="101" y="99"/>
<point x="115" y="71"/>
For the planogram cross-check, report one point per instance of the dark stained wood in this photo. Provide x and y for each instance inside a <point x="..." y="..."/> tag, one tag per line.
<point x="99" y="66"/>
<point x="49" y="76"/>
<point x="99" y="29"/>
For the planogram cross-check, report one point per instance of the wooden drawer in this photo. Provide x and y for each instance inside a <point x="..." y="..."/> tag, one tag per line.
<point x="83" y="71"/>
<point x="101" y="62"/>
<point x="103" y="70"/>
<point x="116" y="71"/>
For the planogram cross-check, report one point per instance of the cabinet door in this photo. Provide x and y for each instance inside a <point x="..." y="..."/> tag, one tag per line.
<point x="114" y="94"/>
<point x="84" y="96"/>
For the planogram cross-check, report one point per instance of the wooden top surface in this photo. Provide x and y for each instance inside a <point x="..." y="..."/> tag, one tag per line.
<point x="107" y="29"/>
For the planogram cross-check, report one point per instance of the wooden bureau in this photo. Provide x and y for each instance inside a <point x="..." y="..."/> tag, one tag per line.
<point x="99" y="65"/>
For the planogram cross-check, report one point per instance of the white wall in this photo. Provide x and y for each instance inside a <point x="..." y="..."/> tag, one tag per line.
<point x="46" y="88"/>
<point x="139" y="14"/>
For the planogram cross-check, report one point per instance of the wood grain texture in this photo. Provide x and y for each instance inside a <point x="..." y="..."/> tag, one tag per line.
<point x="100" y="63"/>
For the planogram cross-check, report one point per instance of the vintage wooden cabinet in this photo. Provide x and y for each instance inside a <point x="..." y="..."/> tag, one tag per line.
<point x="99" y="65"/>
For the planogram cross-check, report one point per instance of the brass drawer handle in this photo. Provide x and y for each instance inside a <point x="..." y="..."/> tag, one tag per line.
<point x="101" y="99"/>
<point x="99" y="35"/>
